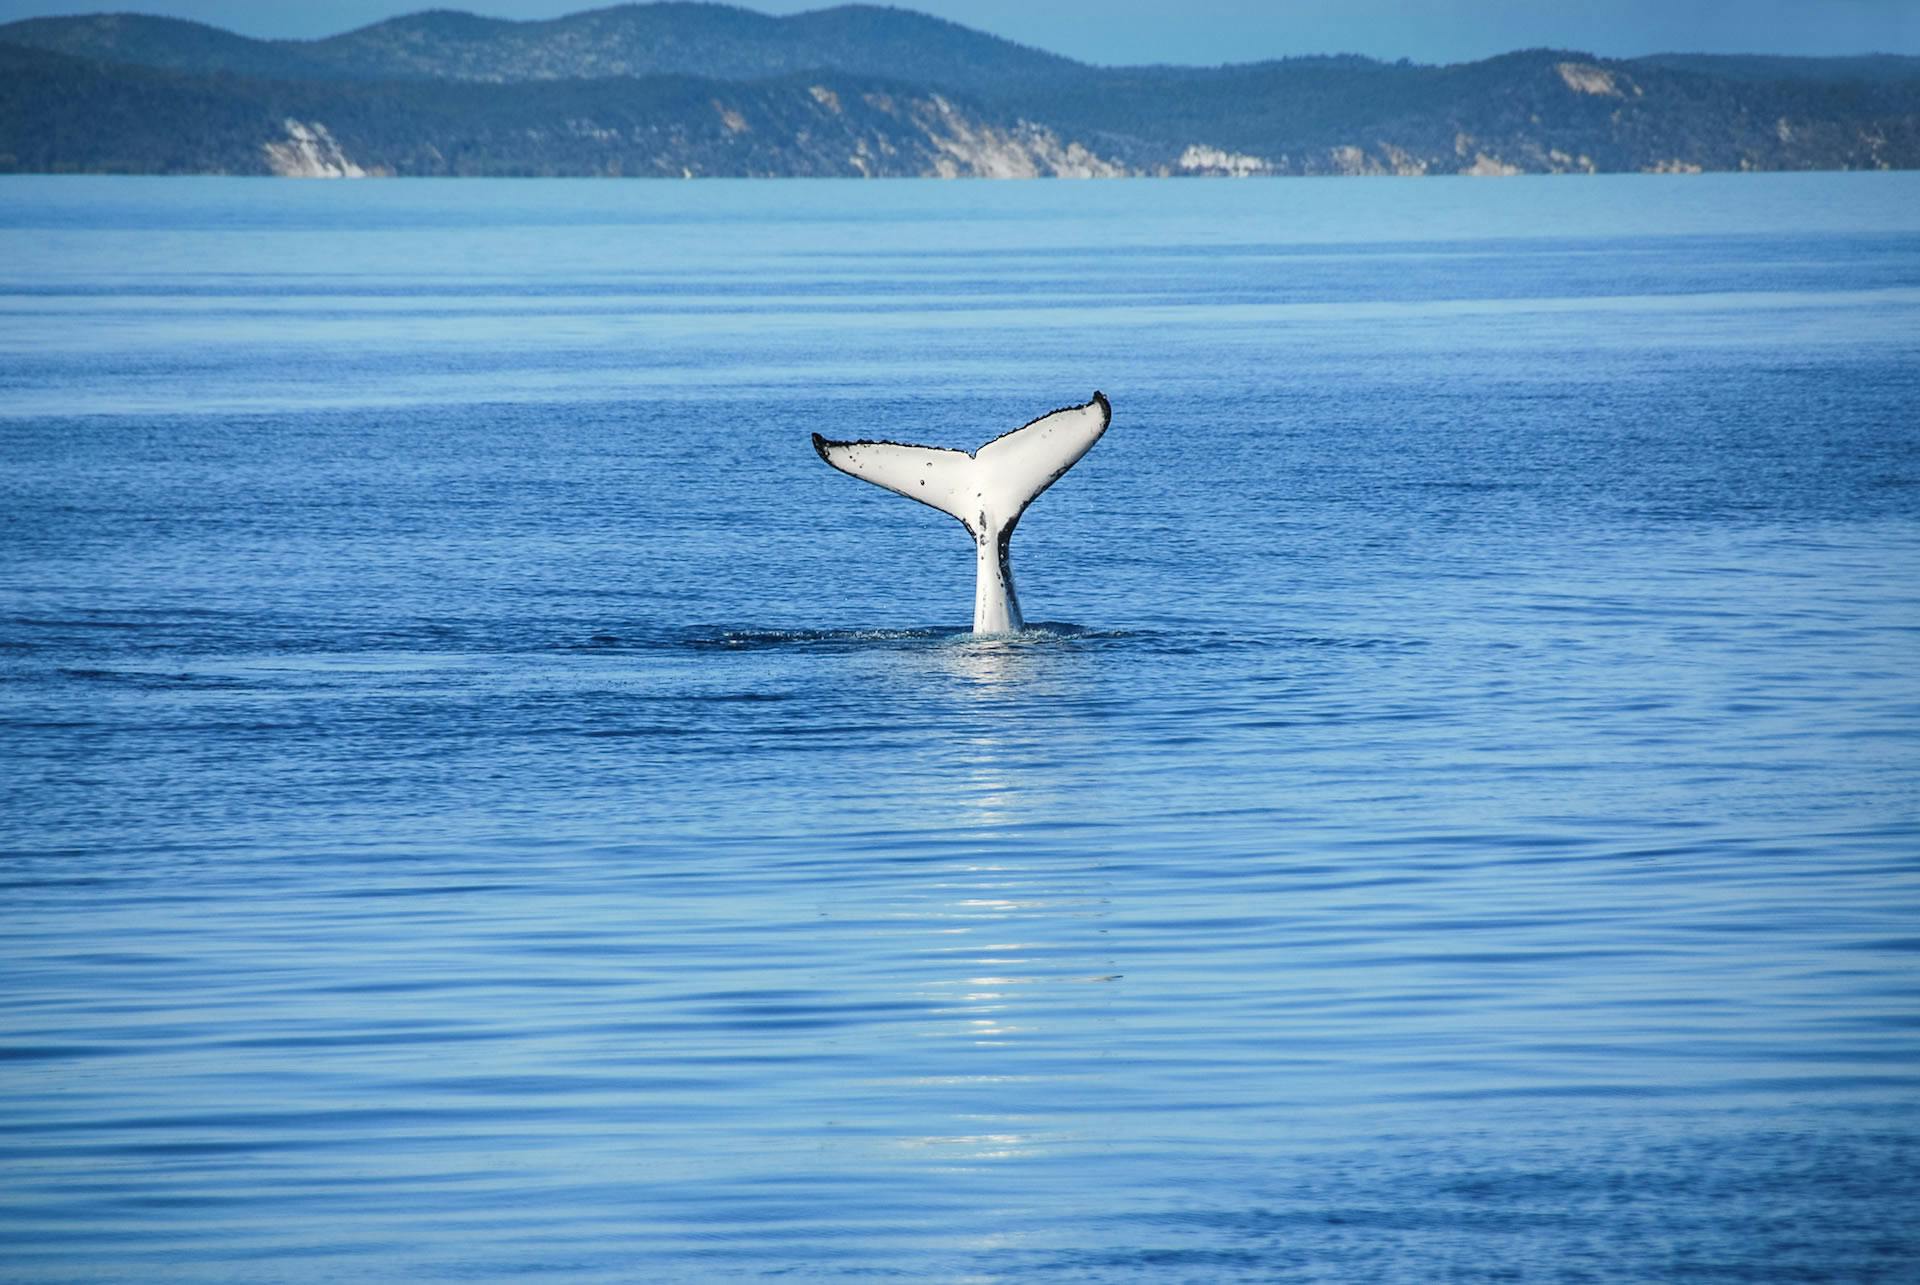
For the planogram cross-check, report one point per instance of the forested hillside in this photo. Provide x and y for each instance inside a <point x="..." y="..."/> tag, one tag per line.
<point x="698" y="89"/>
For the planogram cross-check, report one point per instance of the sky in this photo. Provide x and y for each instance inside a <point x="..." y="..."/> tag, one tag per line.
<point x="1215" y="31"/>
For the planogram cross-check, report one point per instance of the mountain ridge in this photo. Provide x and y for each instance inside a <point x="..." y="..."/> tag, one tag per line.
<point x="686" y="88"/>
<point x="673" y="37"/>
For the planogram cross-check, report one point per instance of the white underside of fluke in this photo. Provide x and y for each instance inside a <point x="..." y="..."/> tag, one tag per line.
<point x="987" y="489"/>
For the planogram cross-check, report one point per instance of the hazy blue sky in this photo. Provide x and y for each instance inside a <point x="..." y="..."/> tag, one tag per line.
<point x="1212" y="31"/>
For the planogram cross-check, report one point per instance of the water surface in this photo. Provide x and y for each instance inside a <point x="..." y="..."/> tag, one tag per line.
<point x="480" y="798"/>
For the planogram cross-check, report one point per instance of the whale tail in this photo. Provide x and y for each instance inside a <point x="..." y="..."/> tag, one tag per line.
<point x="986" y="489"/>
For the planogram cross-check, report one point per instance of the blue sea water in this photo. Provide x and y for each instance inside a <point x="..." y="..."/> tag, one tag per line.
<point x="480" y="799"/>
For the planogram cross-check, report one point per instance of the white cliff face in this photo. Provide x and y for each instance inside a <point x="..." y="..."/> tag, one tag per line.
<point x="309" y="151"/>
<point x="1201" y="159"/>
<point x="1350" y="159"/>
<point x="972" y="149"/>
<point x="1485" y="166"/>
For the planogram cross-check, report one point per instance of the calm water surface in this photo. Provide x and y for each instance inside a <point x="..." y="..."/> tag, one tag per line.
<point x="479" y="798"/>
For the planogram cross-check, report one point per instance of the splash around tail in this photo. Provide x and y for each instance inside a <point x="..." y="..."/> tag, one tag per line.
<point x="986" y="489"/>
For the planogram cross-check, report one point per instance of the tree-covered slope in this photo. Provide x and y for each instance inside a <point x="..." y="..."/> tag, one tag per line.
<point x="714" y="41"/>
<point x="1537" y="111"/>
<point x="711" y="89"/>
<point x="62" y="114"/>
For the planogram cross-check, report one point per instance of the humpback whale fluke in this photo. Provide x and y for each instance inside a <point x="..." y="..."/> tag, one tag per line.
<point x="987" y="489"/>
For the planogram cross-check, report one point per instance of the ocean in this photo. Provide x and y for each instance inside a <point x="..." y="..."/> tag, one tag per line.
<point x="479" y="798"/>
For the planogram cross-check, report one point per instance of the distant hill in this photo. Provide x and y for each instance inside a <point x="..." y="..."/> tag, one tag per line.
<point x="712" y="41"/>
<point x="168" y="44"/>
<point x="1536" y="111"/>
<point x="706" y="89"/>
<point x="67" y="115"/>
